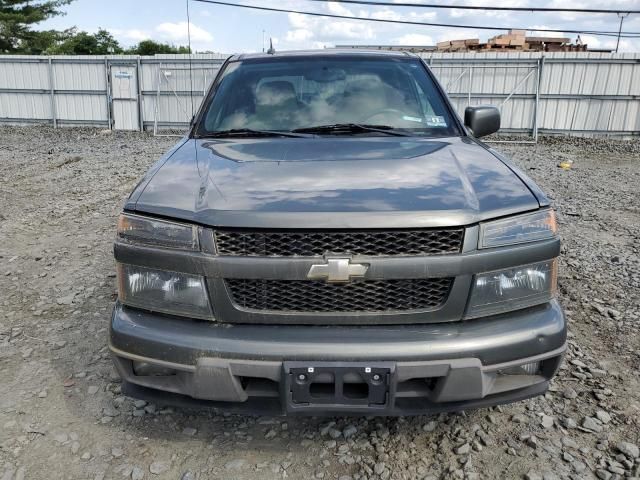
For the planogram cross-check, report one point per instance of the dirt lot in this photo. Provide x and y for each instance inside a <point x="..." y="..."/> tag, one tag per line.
<point x="62" y="414"/>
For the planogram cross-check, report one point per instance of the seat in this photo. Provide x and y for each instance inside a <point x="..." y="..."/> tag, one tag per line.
<point x="276" y="105"/>
<point x="370" y="99"/>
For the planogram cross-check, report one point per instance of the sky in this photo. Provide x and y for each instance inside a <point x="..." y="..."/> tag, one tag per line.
<point x="225" y="29"/>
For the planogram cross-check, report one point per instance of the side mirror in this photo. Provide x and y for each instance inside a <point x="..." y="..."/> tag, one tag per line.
<point x="482" y="120"/>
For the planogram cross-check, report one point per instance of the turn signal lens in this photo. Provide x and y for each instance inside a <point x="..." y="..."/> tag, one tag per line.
<point x="152" y="231"/>
<point x="525" y="228"/>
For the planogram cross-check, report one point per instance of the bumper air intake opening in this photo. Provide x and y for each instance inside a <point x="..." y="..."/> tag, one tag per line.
<point x="260" y="387"/>
<point x="417" y="387"/>
<point x="145" y="369"/>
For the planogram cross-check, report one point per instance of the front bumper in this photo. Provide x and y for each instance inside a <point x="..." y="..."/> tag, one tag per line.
<point x="247" y="368"/>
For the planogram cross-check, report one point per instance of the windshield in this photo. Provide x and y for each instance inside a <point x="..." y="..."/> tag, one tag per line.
<point x="286" y="94"/>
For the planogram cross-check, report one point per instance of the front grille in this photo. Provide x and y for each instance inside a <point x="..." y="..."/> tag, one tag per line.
<point x="363" y="296"/>
<point x="315" y="243"/>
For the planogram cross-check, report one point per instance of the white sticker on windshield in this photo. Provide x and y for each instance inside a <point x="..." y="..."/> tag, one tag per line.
<point x="436" y="122"/>
<point x="412" y="119"/>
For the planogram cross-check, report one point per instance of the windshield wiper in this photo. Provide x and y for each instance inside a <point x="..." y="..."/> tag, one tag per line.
<point x="248" y="132"/>
<point x="352" y="128"/>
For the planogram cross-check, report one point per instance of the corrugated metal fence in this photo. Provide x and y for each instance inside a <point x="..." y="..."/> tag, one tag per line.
<point x="574" y="93"/>
<point x="581" y="94"/>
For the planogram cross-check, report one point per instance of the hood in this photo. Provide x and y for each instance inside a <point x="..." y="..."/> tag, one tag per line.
<point x="343" y="182"/>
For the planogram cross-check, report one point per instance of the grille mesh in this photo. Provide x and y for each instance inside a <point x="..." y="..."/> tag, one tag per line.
<point x="364" y="296"/>
<point x="354" y="242"/>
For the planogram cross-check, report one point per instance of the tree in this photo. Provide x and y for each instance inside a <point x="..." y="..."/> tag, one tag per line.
<point x="151" y="47"/>
<point x="83" y="43"/>
<point x="16" y="19"/>
<point x="38" y="42"/>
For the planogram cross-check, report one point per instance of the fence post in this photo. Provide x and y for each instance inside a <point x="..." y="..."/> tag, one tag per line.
<point x="157" y="105"/>
<point x="54" y="116"/>
<point x="108" y="90"/>
<point x="139" y="97"/>
<point x="470" y="85"/>
<point x="537" y="104"/>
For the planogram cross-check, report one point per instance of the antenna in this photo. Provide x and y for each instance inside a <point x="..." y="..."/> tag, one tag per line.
<point x="190" y="63"/>
<point x="621" y="15"/>
<point x="271" y="50"/>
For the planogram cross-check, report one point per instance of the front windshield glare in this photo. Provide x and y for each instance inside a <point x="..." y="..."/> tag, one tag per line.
<point x="292" y="93"/>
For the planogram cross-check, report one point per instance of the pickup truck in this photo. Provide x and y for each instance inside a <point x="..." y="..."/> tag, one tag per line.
<point x="330" y="237"/>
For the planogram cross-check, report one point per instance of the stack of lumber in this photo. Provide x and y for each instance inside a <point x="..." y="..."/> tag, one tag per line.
<point x="514" y="40"/>
<point x="458" y="45"/>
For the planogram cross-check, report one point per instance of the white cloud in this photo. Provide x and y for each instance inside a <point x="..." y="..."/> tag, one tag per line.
<point x="299" y="35"/>
<point x="317" y="32"/>
<point x="336" y="8"/>
<point x="297" y="20"/>
<point x="591" y="41"/>
<point x="414" y="39"/>
<point x="457" y="13"/>
<point x="626" y="45"/>
<point x="423" y="16"/>
<point x="535" y="31"/>
<point x="457" y="35"/>
<point x="134" y="35"/>
<point x="178" y="32"/>
<point x="612" y="4"/>
<point x="314" y="32"/>
<point x="346" y="29"/>
<point x="386" y="14"/>
<point x="173" y="33"/>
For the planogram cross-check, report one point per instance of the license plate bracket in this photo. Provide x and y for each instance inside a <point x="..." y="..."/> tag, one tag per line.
<point x="323" y="385"/>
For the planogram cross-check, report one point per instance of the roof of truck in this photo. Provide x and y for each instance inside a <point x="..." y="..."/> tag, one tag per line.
<point x="324" y="53"/>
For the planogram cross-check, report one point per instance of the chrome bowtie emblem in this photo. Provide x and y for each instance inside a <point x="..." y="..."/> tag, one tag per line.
<point x="337" y="270"/>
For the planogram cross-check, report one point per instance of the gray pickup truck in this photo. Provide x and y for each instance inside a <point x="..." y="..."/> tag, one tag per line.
<point x="331" y="238"/>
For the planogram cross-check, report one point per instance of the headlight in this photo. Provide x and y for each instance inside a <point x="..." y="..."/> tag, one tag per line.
<point x="151" y="231"/>
<point x="162" y="291"/>
<point x="512" y="289"/>
<point x="520" y="229"/>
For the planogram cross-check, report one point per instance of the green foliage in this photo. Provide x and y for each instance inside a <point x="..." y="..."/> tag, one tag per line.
<point x="16" y="19"/>
<point x="37" y="42"/>
<point x="83" y="43"/>
<point x="151" y="47"/>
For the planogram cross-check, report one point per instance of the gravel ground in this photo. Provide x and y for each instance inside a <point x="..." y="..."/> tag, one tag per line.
<point x="62" y="414"/>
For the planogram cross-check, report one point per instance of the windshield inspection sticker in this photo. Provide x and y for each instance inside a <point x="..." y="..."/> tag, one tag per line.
<point x="412" y="119"/>
<point x="436" y="122"/>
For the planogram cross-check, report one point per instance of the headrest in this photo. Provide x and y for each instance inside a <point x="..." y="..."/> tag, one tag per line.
<point x="276" y="92"/>
<point x="364" y="85"/>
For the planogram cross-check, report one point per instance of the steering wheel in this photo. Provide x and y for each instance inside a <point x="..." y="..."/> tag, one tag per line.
<point x="384" y="111"/>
